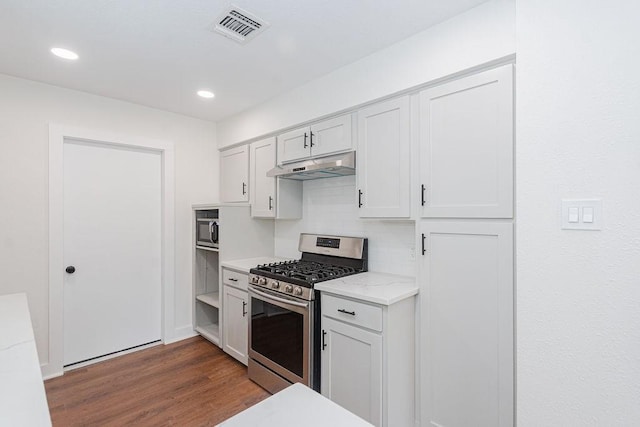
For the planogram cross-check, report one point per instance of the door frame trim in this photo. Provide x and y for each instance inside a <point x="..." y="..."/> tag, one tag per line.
<point x="57" y="135"/>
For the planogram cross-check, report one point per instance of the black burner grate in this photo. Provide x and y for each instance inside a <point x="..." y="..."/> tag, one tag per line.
<point x="307" y="271"/>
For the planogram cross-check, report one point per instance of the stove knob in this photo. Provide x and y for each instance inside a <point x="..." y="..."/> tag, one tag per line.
<point x="297" y="290"/>
<point x="262" y="281"/>
<point x="254" y="279"/>
<point x="288" y="288"/>
<point x="275" y="284"/>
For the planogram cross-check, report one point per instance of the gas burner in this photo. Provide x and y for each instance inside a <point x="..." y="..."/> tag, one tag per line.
<point x="323" y="258"/>
<point x="307" y="271"/>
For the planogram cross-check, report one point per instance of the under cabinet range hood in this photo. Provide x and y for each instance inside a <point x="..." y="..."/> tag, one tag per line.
<point x="323" y="167"/>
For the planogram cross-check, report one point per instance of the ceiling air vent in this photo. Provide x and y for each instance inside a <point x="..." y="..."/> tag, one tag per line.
<point x="239" y="25"/>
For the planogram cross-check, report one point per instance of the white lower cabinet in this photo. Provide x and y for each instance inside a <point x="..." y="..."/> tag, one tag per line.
<point x="466" y="331"/>
<point x="235" y="317"/>
<point x="368" y="358"/>
<point x="352" y="369"/>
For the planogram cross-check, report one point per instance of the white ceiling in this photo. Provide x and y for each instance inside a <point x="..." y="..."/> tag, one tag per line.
<point x="160" y="52"/>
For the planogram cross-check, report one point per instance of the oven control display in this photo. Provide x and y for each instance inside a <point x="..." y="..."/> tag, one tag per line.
<point x="325" y="242"/>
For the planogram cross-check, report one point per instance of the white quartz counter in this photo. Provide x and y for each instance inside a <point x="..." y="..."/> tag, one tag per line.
<point x="23" y="401"/>
<point x="295" y="406"/>
<point x="378" y="288"/>
<point x="244" y="265"/>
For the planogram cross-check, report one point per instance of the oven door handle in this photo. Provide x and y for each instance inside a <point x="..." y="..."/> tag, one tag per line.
<point x="275" y="298"/>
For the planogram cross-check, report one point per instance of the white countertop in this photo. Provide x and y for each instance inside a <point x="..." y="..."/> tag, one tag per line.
<point x="244" y="265"/>
<point x="378" y="288"/>
<point x="23" y="401"/>
<point x="295" y="406"/>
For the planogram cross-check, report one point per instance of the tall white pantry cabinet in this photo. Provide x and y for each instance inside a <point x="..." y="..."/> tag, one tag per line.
<point x="466" y="241"/>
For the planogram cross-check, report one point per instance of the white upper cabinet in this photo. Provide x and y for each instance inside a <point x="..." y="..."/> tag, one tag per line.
<point x="263" y="188"/>
<point x="331" y="136"/>
<point x="466" y="147"/>
<point x="271" y="197"/>
<point x="383" y="159"/>
<point x="319" y="139"/>
<point x="294" y="145"/>
<point x="234" y="174"/>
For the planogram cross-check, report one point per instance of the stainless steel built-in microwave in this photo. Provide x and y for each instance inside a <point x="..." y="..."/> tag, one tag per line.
<point x="208" y="232"/>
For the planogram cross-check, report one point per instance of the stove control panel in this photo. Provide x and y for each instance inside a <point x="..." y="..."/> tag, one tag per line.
<point x="278" y="287"/>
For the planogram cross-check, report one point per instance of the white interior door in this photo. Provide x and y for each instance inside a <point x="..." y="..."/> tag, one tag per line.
<point x="112" y="237"/>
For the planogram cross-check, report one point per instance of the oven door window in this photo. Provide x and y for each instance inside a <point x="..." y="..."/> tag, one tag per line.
<point x="277" y="334"/>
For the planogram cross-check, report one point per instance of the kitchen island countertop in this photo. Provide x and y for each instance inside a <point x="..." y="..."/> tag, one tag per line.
<point x="296" y="405"/>
<point x="22" y="396"/>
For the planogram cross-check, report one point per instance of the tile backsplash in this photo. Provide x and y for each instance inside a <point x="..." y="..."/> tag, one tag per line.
<point x="329" y="207"/>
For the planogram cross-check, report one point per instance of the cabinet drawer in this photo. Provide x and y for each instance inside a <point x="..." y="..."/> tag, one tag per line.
<point x="354" y="312"/>
<point x="235" y="279"/>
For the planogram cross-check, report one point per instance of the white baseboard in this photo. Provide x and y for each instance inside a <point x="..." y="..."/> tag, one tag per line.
<point x="47" y="374"/>
<point x="180" y="334"/>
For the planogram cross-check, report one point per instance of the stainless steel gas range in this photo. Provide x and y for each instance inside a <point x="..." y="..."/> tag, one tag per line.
<point x="284" y="328"/>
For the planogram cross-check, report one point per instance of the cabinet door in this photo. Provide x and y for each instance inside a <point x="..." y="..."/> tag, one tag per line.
<point x="234" y="174"/>
<point x="467" y="353"/>
<point x="263" y="188"/>
<point x="383" y="159"/>
<point x="352" y="369"/>
<point x="331" y="136"/>
<point x="235" y="325"/>
<point x="294" y="145"/>
<point x="466" y="146"/>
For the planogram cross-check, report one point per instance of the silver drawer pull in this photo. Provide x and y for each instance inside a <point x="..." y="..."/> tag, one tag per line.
<point x="342" y="310"/>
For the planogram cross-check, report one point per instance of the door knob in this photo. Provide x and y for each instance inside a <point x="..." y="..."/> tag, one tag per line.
<point x="71" y="269"/>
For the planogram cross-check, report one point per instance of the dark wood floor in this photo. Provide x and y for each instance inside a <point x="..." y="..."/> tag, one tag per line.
<point x="188" y="383"/>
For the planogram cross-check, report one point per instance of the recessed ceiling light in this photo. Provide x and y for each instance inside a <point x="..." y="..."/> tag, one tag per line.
<point x="64" y="53"/>
<point x="205" y="93"/>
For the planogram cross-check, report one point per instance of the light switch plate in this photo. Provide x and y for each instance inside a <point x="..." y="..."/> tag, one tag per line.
<point x="589" y="214"/>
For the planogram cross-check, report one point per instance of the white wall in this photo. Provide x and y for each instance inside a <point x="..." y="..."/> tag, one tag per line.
<point x="329" y="208"/>
<point x="480" y="35"/>
<point x="26" y="109"/>
<point x="578" y="136"/>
